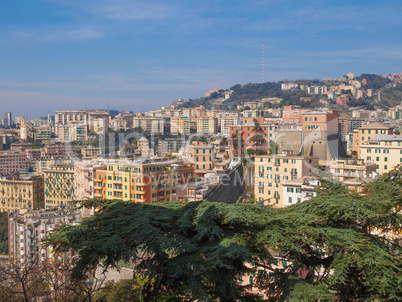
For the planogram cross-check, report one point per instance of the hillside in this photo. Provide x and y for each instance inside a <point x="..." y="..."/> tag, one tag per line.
<point x="391" y="96"/>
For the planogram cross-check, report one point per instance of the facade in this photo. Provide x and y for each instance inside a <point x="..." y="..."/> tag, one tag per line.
<point x="21" y="193"/>
<point x="201" y="156"/>
<point x="226" y="122"/>
<point x="143" y="181"/>
<point x="13" y="162"/>
<point x="98" y="121"/>
<point x="45" y="163"/>
<point x="151" y="124"/>
<point x="248" y="128"/>
<point x="384" y="151"/>
<point x="271" y="171"/>
<point x="299" y="190"/>
<point x="84" y="174"/>
<point x="169" y="145"/>
<point x="26" y="230"/>
<point x="91" y="152"/>
<point x="346" y="169"/>
<point x="67" y="117"/>
<point x="367" y="132"/>
<point x="293" y="114"/>
<point x="321" y="134"/>
<point x="207" y="124"/>
<point x="59" y="185"/>
<point x="183" y="124"/>
<point x="73" y="132"/>
<point x="100" y="126"/>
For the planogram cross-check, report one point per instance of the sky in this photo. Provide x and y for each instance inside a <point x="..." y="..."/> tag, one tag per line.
<point x="140" y="55"/>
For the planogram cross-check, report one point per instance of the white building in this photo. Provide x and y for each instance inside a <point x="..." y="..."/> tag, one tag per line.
<point x="28" y="229"/>
<point x="299" y="190"/>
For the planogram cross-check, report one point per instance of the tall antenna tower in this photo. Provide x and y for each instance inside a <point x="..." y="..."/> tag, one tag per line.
<point x="263" y="69"/>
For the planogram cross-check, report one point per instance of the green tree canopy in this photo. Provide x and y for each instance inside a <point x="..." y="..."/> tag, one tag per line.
<point x="197" y="251"/>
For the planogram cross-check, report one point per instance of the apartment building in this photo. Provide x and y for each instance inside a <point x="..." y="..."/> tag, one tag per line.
<point x="293" y="114"/>
<point x="299" y="190"/>
<point x="183" y="124"/>
<point x="271" y="171"/>
<point x="84" y="174"/>
<point x="367" y="132"/>
<point x="28" y="229"/>
<point x="98" y="117"/>
<point x="170" y="145"/>
<point x="249" y="128"/>
<point x="201" y="156"/>
<point x="347" y="169"/>
<point x="151" y="125"/>
<point x="91" y="152"/>
<point x="72" y="133"/>
<point x="59" y="185"/>
<point x="45" y="163"/>
<point x="384" y="151"/>
<point x="21" y="193"/>
<point x="13" y="162"/>
<point x="207" y="124"/>
<point x="227" y="121"/>
<point x="100" y="126"/>
<point x="321" y="135"/>
<point x="72" y="116"/>
<point x="144" y="180"/>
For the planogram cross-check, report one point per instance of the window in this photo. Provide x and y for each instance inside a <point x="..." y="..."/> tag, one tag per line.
<point x="385" y="158"/>
<point x="368" y="150"/>
<point x="385" y="167"/>
<point x="290" y="199"/>
<point x="377" y="159"/>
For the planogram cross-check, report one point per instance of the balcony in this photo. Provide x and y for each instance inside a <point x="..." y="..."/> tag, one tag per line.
<point x="140" y="192"/>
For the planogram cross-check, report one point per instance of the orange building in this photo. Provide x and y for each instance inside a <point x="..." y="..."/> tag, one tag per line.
<point x="251" y="128"/>
<point x="146" y="180"/>
<point x="367" y="132"/>
<point x="320" y="121"/>
<point x="201" y="156"/>
<point x="293" y="114"/>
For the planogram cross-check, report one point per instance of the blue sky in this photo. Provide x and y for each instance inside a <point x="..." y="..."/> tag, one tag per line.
<point x="137" y="55"/>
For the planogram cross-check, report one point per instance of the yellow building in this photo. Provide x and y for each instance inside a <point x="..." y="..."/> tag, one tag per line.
<point x="271" y="171"/>
<point x="347" y="169"/>
<point x="145" y="180"/>
<point x="21" y="193"/>
<point x="207" y="124"/>
<point x="186" y="125"/>
<point x="367" y="132"/>
<point x="385" y="151"/>
<point x="91" y="152"/>
<point x="59" y="185"/>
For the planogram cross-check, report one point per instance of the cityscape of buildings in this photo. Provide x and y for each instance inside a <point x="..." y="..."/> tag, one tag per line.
<point x="273" y="156"/>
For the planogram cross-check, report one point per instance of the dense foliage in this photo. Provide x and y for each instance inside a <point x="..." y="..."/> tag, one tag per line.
<point x="3" y="233"/>
<point x="197" y="251"/>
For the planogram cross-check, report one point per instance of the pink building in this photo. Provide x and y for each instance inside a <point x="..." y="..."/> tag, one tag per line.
<point x="342" y="100"/>
<point x="13" y="162"/>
